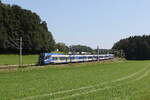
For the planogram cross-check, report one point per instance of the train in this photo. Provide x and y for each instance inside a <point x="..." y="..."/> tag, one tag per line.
<point x="57" y="58"/>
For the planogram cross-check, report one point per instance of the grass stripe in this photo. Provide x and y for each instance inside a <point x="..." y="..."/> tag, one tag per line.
<point x="82" y="88"/>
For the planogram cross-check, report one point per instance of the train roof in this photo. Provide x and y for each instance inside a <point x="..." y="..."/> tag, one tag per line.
<point x="60" y="54"/>
<point x="48" y="54"/>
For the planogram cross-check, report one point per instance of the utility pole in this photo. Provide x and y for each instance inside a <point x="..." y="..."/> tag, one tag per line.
<point x="16" y="45"/>
<point x="20" y="57"/>
<point x="98" y="52"/>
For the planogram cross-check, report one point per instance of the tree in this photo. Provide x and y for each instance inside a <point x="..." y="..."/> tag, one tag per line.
<point x="62" y="47"/>
<point x="16" y="22"/>
<point x="80" y="48"/>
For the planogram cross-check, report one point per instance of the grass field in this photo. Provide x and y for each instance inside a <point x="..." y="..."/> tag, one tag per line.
<point x="119" y="80"/>
<point x="14" y="59"/>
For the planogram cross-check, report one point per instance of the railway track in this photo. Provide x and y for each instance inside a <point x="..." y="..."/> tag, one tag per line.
<point x="9" y="67"/>
<point x="3" y="67"/>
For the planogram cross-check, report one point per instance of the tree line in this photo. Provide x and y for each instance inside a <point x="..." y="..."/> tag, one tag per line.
<point x="134" y="47"/>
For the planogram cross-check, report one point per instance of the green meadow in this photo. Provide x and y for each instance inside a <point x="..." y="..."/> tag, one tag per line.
<point x="14" y="59"/>
<point x="108" y="80"/>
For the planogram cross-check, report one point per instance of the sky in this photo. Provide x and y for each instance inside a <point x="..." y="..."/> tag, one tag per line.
<point x="91" y="22"/>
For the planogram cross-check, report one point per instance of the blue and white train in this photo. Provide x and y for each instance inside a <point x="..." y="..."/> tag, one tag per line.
<point x="56" y="58"/>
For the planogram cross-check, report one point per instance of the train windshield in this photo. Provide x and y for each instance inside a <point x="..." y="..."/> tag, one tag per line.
<point x="41" y="57"/>
<point x="47" y="57"/>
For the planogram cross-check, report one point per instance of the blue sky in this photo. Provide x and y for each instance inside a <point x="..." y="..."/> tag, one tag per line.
<point x="91" y="22"/>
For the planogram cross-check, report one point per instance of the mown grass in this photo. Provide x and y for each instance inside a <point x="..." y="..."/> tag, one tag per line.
<point x="119" y="80"/>
<point x="14" y="59"/>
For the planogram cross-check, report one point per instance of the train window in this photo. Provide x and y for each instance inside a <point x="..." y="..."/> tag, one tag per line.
<point x="72" y="57"/>
<point x="80" y="57"/>
<point x="84" y="57"/>
<point x="63" y="58"/>
<point x="100" y="56"/>
<point x="96" y="57"/>
<point x="89" y="57"/>
<point x="55" y="58"/>
<point x="67" y="58"/>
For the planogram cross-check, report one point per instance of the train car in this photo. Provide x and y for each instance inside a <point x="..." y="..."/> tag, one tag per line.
<point x="48" y="58"/>
<point x="57" y="58"/>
